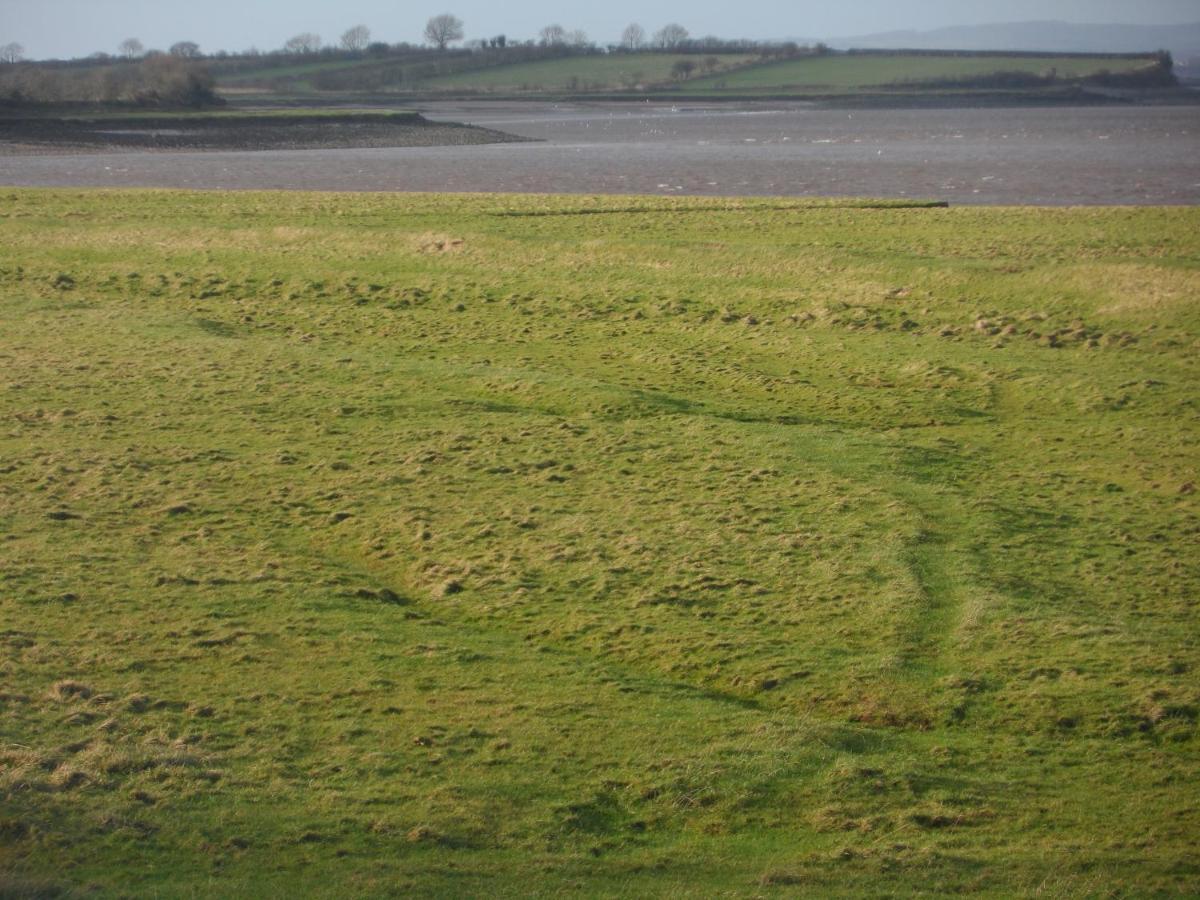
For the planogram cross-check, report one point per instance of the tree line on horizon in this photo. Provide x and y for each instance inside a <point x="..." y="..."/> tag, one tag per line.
<point x="182" y="74"/>
<point x="440" y="32"/>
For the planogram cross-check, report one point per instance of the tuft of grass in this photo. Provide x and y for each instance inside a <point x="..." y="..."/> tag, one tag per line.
<point x="65" y="691"/>
<point x="638" y="546"/>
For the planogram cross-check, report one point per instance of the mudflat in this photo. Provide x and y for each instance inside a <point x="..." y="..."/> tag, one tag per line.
<point x="284" y="130"/>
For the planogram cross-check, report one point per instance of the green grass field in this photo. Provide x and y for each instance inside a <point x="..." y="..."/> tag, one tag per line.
<point x="739" y="74"/>
<point x="608" y="72"/>
<point x="297" y="71"/>
<point x="849" y="73"/>
<point x="355" y="545"/>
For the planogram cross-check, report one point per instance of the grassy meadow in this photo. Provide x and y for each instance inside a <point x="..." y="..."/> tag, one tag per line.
<point x="355" y="545"/>
<point x="291" y="71"/>
<point x="734" y="75"/>
<point x="863" y="72"/>
<point x="613" y="71"/>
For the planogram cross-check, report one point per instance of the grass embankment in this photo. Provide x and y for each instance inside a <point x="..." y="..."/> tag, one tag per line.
<point x="357" y="544"/>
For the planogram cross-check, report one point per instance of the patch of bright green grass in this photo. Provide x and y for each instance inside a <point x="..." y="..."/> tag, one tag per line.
<point x="857" y="72"/>
<point x="358" y="545"/>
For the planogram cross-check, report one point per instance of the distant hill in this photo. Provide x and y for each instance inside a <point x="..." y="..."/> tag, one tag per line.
<point x="1057" y="37"/>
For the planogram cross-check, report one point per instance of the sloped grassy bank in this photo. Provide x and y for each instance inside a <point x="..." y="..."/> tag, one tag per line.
<point x="450" y="545"/>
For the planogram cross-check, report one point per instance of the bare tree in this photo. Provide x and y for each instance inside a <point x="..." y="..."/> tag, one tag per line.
<point x="553" y="36"/>
<point x="306" y="42"/>
<point x="131" y="48"/>
<point x="633" y="37"/>
<point x="12" y="53"/>
<point x="185" y="49"/>
<point x="444" y="29"/>
<point x="356" y="38"/>
<point x="578" y="38"/>
<point x="683" y="69"/>
<point x="671" y="36"/>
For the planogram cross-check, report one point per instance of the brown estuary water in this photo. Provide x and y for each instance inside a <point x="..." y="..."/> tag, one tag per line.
<point x="1049" y="156"/>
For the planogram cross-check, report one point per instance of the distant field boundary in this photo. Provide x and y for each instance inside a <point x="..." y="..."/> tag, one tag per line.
<point x="1148" y="55"/>
<point x="891" y="98"/>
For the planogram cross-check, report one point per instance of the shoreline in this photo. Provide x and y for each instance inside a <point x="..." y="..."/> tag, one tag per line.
<point x="876" y="99"/>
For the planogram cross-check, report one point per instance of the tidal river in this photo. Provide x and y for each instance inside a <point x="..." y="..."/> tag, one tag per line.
<point x="1051" y="156"/>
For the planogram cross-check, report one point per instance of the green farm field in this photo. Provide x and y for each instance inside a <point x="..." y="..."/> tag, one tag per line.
<point x="736" y="74"/>
<point x="859" y="72"/>
<point x="365" y="545"/>
<point x="594" y="72"/>
<point x="291" y="71"/>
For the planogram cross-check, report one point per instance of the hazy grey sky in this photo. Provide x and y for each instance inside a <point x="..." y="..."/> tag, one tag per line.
<point x="64" y="28"/>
